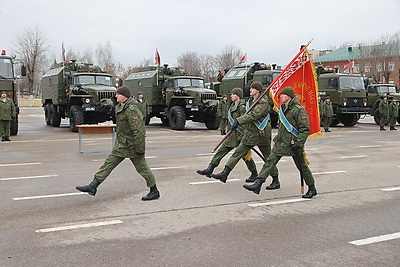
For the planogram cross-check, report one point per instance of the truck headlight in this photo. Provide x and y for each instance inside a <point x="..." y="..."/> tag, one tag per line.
<point x="190" y="101"/>
<point x="87" y="100"/>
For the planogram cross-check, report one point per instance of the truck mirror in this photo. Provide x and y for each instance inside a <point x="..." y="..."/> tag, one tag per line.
<point x="23" y="70"/>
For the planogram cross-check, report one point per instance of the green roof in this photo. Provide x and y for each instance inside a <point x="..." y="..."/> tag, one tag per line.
<point x="361" y="52"/>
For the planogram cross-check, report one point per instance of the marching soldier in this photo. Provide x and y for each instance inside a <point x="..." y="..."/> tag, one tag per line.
<point x="7" y="113"/>
<point x="384" y="112"/>
<point x="222" y="112"/>
<point x="393" y="113"/>
<point x="237" y="108"/>
<point x="130" y="143"/>
<point x="292" y="135"/>
<point x="257" y="132"/>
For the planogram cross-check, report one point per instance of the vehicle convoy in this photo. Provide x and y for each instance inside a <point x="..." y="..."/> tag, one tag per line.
<point x="347" y="93"/>
<point x="81" y="92"/>
<point x="375" y="92"/>
<point x="243" y="75"/>
<point x="175" y="97"/>
<point x="8" y="84"/>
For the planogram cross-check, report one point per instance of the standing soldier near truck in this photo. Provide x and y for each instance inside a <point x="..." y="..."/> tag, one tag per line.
<point x="144" y="107"/>
<point x="7" y="113"/>
<point x="222" y="112"/>
<point x="393" y="113"/>
<point x="384" y="112"/>
<point x="327" y="114"/>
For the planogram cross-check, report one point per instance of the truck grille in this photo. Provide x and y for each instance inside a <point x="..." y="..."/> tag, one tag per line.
<point x="102" y="95"/>
<point x="208" y="96"/>
<point x="355" y="102"/>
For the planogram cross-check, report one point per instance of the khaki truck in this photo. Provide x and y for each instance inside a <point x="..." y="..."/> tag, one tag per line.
<point x="175" y="97"/>
<point x="81" y="92"/>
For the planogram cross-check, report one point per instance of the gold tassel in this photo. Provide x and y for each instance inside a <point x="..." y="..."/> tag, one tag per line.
<point x="305" y="157"/>
<point x="247" y="156"/>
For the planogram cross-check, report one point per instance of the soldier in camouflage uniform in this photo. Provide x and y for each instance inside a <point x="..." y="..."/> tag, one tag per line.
<point x="130" y="143"/>
<point x="237" y="108"/>
<point x="393" y="113"/>
<point x="7" y="113"/>
<point x="144" y="107"/>
<point x="222" y="112"/>
<point x="257" y="132"/>
<point x="289" y="143"/>
<point x="327" y="114"/>
<point x="384" y="112"/>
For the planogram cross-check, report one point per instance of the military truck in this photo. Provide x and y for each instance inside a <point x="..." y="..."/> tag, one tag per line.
<point x="81" y="92"/>
<point x="374" y="94"/>
<point x="243" y="75"/>
<point x="347" y="93"/>
<point x="175" y="97"/>
<point x="8" y="84"/>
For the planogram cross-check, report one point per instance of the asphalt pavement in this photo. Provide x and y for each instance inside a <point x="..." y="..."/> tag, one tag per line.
<point x="198" y="221"/>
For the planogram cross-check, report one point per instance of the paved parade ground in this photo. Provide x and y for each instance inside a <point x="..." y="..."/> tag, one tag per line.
<point x="198" y="221"/>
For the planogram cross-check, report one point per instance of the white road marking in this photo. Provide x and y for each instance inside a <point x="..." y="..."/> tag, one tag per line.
<point x="352" y="157"/>
<point x="213" y="182"/>
<point x="205" y="154"/>
<point x="29" y="177"/>
<point x="368" y="146"/>
<point x="20" y="164"/>
<point x="167" y="168"/>
<point x="331" y="172"/>
<point x="391" y="189"/>
<point x="279" y="202"/>
<point x="77" y="226"/>
<point x="375" y="239"/>
<point x="48" y="196"/>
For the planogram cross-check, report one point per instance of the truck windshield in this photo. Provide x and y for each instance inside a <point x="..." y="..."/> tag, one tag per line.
<point x="386" y="89"/>
<point x="351" y="83"/>
<point x="93" y="79"/>
<point x="6" y="70"/>
<point x="189" y="83"/>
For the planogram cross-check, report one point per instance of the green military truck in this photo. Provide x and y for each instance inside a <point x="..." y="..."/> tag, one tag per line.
<point x="81" y="92"/>
<point x="243" y="75"/>
<point x="347" y="93"/>
<point x="8" y="84"/>
<point x="175" y="97"/>
<point x="374" y="94"/>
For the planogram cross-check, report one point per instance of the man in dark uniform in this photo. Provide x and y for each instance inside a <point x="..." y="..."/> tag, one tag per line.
<point x="292" y="134"/>
<point x="130" y="143"/>
<point x="384" y="112"/>
<point x="257" y="132"/>
<point x="222" y="112"/>
<point x="7" y="113"/>
<point x="237" y="108"/>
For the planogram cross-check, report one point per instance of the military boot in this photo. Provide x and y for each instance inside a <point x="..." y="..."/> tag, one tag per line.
<point x="312" y="191"/>
<point x="392" y="128"/>
<point x="207" y="172"/>
<point x="153" y="194"/>
<point x="275" y="184"/>
<point x="3" y="138"/>
<point x="91" y="188"/>
<point x="222" y="176"/>
<point x="256" y="187"/>
<point x="382" y="128"/>
<point x="6" y="138"/>
<point x="252" y="177"/>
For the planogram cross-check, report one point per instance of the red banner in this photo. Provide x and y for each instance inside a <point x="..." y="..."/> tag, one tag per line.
<point x="300" y="74"/>
<point x="157" y="59"/>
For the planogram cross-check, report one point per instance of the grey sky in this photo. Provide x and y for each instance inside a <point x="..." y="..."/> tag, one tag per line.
<point x="268" y="31"/>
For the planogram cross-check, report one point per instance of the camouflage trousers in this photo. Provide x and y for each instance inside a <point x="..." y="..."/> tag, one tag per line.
<point x="223" y="151"/>
<point x="140" y="165"/>
<point x="5" y="128"/>
<point x="223" y="125"/>
<point x="392" y="121"/>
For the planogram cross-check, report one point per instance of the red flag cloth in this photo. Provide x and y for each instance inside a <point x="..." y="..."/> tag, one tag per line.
<point x="351" y="64"/>
<point x="300" y="74"/>
<point x="157" y="58"/>
<point x="243" y="59"/>
<point x="64" y="58"/>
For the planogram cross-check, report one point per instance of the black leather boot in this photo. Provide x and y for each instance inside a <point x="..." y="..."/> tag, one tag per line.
<point x="256" y="187"/>
<point x="207" y="172"/>
<point x="222" y="176"/>
<point x="91" y="188"/>
<point x="252" y="177"/>
<point x="382" y="128"/>
<point x="275" y="184"/>
<point x="392" y="128"/>
<point x="312" y="191"/>
<point x="3" y="138"/>
<point x="6" y="138"/>
<point x="153" y="194"/>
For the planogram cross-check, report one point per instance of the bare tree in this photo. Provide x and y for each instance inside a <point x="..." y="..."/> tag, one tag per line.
<point x="105" y="57"/>
<point x="229" y="57"/>
<point x="31" y="47"/>
<point x="190" y="62"/>
<point x="208" y="67"/>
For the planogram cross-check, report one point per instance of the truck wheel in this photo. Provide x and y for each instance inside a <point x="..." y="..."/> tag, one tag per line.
<point x="349" y="120"/>
<point x="47" y="113"/>
<point x="177" y="118"/>
<point x="76" y="117"/>
<point x="55" y="118"/>
<point x="14" y="126"/>
<point x="212" y="123"/>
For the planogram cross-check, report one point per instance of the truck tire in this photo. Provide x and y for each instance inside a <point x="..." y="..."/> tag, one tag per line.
<point x="76" y="117"/>
<point x="212" y="123"/>
<point x="55" y="118"/>
<point x="349" y="120"/>
<point x="47" y="113"/>
<point x="177" y="118"/>
<point x="14" y="126"/>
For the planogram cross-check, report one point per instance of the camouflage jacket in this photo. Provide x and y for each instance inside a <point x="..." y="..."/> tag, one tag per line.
<point x="297" y="116"/>
<point x="144" y="108"/>
<point x="327" y="109"/>
<point x="222" y="109"/>
<point x="384" y="108"/>
<point x="131" y="133"/>
<point x="252" y="136"/>
<point x="7" y="110"/>
<point x="234" y="138"/>
<point x="393" y="109"/>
